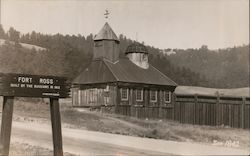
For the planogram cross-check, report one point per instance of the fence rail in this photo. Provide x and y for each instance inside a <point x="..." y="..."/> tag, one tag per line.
<point x="196" y="109"/>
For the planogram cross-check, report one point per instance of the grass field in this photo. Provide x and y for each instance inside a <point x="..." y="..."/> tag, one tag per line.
<point x="38" y="111"/>
<point x="25" y="45"/>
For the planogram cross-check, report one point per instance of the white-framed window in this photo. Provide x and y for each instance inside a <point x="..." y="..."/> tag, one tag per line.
<point x="79" y="97"/>
<point x="153" y="95"/>
<point x="167" y="96"/>
<point x="98" y="43"/>
<point x="92" y="95"/>
<point x="124" y="94"/>
<point x="139" y="95"/>
<point x="106" y="89"/>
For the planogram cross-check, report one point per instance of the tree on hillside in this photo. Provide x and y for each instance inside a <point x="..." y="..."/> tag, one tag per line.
<point x="204" y="48"/>
<point x="224" y="68"/>
<point x="13" y="35"/>
<point x="16" y="59"/>
<point x="2" y="33"/>
<point x="202" y="67"/>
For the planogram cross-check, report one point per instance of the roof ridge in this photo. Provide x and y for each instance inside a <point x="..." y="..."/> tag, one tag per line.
<point x="110" y="69"/>
<point x="163" y="75"/>
<point x="103" y="58"/>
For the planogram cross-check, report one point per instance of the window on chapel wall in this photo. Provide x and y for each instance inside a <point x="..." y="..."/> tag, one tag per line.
<point x="79" y="97"/>
<point x="124" y="94"/>
<point x="98" y="43"/>
<point x="139" y="95"/>
<point x="92" y="95"/>
<point x="167" y="96"/>
<point x="153" y="96"/>
<point x="106" y="89"/>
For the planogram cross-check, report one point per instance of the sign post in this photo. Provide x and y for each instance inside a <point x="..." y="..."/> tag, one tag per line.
<point x="7" y="113"/>
<point x="56" y="126"/>
<point x="21" y="85"/>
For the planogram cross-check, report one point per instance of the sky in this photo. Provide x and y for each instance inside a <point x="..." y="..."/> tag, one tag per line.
<point x="159" y="23"/>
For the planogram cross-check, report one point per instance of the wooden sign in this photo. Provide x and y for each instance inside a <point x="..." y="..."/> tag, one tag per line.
<point x="21" y="85"/>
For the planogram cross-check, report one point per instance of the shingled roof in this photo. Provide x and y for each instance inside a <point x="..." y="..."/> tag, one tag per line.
<point x="136" y="48"/>
<point x="106" y="33"/>
<point x="103" y="71"/>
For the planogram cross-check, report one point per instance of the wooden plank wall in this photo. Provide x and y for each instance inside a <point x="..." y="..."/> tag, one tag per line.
<point x="139" y="109"/>
<point x="212" y="110"/>
<point x="193" y="109"/>
<point x="75" y="101"/>
<point x="97" y="97"/>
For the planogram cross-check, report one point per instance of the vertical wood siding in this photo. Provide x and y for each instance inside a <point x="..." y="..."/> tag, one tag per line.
<point x="191" y="109"/>
<point x="98" y="96"/>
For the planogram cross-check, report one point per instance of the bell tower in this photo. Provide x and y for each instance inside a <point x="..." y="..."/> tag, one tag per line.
<point x="106" y="44"/>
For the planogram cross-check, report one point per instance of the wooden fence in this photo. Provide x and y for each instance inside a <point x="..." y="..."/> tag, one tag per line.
<point x="196" y="109"/>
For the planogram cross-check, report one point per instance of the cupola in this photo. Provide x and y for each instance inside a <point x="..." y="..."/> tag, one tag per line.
<point x="106" y="44"/>
<point x="138" y="54"/>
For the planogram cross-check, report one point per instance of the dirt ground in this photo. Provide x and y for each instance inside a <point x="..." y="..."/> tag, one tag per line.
<point x="17" y="149"/>
<point x="23" y="149"/>
<point x="37" y="110"/>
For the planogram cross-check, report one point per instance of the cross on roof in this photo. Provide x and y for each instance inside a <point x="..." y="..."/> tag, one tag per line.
<point x="106" y="14"/>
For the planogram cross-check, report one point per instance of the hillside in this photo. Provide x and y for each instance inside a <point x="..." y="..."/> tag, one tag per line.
<point x="29" y="59"/>
<point x="24" y="45"/>
<point x="227" y="68"/>
<point x="78" y="52"/>
<point x="68" y="55"/>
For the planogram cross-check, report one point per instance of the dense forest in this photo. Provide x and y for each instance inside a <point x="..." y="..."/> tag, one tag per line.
<point x="68" y="55"/>
<point x="225" y="67"/>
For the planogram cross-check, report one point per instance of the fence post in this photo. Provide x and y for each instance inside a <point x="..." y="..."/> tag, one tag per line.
<point x="243" y="112"/>
<point x="204" y="114"/>
<point x="195" y="108"/>
<point x="174" y="105"/>
<point x="230" y="115"/>
<point x="180" y="117"/>
<point x="217" y="117"/>
<point x="117" y="98"/>
<point x="160" y="116"/>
